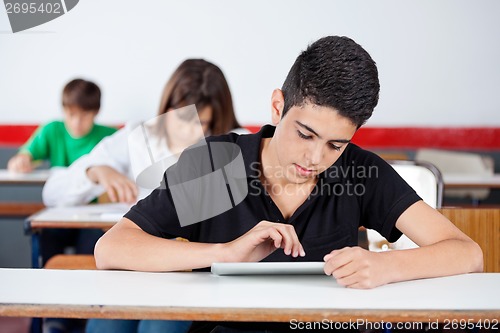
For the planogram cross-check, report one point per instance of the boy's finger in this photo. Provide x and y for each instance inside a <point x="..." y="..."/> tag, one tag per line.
<point x="302" y="251"/>
<point x="295" y="246"/>
<point x="334" y="253"/>
<point x="344" y="271"/>
<point x="287" y="239"/>
<point x="276" y="237"/>
<point x="337" y="262"/>
<point x="292" y="240"/>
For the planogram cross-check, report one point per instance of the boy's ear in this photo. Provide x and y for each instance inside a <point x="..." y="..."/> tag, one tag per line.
<point x="277" y="105"/>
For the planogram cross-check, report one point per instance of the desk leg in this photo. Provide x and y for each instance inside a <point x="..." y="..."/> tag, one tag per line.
<point x="36" y="325"/>
<point x="36" y="260"/>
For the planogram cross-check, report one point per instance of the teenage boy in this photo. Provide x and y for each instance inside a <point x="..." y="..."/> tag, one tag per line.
<point x="305" y="202"/>
<point x="63" y="142"/>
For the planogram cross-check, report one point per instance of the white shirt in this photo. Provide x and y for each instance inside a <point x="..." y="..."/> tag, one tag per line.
<point x="71" y="186"/>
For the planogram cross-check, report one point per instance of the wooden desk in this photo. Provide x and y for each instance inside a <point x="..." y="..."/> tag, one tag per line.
<point x="203" y="296"/>
<point x="467" y="181"/>
<point x="19" y="209"/>
<point x="483" y="226"/>
<point x="85" y="216"/>
<point x="98" y="216"/>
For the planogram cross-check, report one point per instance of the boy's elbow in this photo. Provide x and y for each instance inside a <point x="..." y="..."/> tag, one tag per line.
<point x="479" y="259"/>
<point x="101" y="253"/>
<point x="477" y="256"/>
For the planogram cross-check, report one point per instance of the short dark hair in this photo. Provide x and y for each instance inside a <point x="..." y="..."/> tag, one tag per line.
<point x="335" y="72"/>
<point x="84" y="94"/>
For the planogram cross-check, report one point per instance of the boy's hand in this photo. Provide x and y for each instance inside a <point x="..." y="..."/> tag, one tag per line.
<point x="262" y="240"/>
<point x="118" y="187"/>
<point x="355" y="267"/>
<point x="20" y="163"/>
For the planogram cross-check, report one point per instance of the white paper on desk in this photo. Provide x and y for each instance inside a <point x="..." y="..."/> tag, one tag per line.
<point x="111" y="212"/>
<point x="36" y="175"/>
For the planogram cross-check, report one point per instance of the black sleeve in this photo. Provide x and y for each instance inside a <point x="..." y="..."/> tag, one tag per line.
<point x="177" y="206"/>
<point x="386" y="196"/>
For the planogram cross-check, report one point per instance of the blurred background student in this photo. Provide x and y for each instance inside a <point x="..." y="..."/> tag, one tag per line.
<point x="108" y="168"/>
<point x="62" y="142"/>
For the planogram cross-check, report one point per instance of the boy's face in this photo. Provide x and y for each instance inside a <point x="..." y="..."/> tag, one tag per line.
<point x="308" y="140"/>
<point x="78" y="122"/>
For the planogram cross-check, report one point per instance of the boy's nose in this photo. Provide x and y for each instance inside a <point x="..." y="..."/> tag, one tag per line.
<point x="78" y="121"/>
<point x="316" y="154"/>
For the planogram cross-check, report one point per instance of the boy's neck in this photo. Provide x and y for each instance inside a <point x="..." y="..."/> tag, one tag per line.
<point x="267" y="167"/>
<point x="287" y="196"/>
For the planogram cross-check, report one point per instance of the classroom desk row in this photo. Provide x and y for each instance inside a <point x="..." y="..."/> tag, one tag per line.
<point x="95" y="216"/>
<point x="10" y="208"/>
<point x="203" y="296"/>
<point x="461" y="181"/>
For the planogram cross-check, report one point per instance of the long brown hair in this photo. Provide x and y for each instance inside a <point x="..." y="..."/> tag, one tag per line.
<point x="199" y="82"/>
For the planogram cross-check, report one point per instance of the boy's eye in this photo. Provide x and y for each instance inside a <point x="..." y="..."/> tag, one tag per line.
<point x="334" y="147"/>
<point x="303" y="136"/>
<point x="308" y="137"/>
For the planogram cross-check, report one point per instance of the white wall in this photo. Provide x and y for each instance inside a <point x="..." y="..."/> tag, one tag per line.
<point x="439" y="61"/>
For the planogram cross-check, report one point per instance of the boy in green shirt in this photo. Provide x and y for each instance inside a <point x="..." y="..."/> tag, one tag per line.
<point x="63" y="142"/>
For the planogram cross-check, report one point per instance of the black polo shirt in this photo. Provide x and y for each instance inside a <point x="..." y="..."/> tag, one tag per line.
<point x="360" y="189"/>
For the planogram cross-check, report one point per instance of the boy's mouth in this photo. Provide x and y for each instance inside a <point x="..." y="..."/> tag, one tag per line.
<point x="303" y="171"/>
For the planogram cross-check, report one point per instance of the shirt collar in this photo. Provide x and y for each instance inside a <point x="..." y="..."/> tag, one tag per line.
<point x="250" y="149"/>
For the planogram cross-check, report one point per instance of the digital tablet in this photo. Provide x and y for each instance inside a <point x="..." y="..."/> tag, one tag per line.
<point x="267" y="268"/>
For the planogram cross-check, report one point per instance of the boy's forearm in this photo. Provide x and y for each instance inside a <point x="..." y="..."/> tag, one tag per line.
<point x="133" y="249"/>
<point x="448" y="257"/>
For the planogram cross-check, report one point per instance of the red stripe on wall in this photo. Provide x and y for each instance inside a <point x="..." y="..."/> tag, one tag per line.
<point x="478" y="138"/>
<point x="15" y="135"/>
<point x="252" y="128"/>
<point x="470" y="138"/>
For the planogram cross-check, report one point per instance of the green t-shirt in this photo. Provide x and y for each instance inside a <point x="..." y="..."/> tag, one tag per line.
<point x="52" y="142"/>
